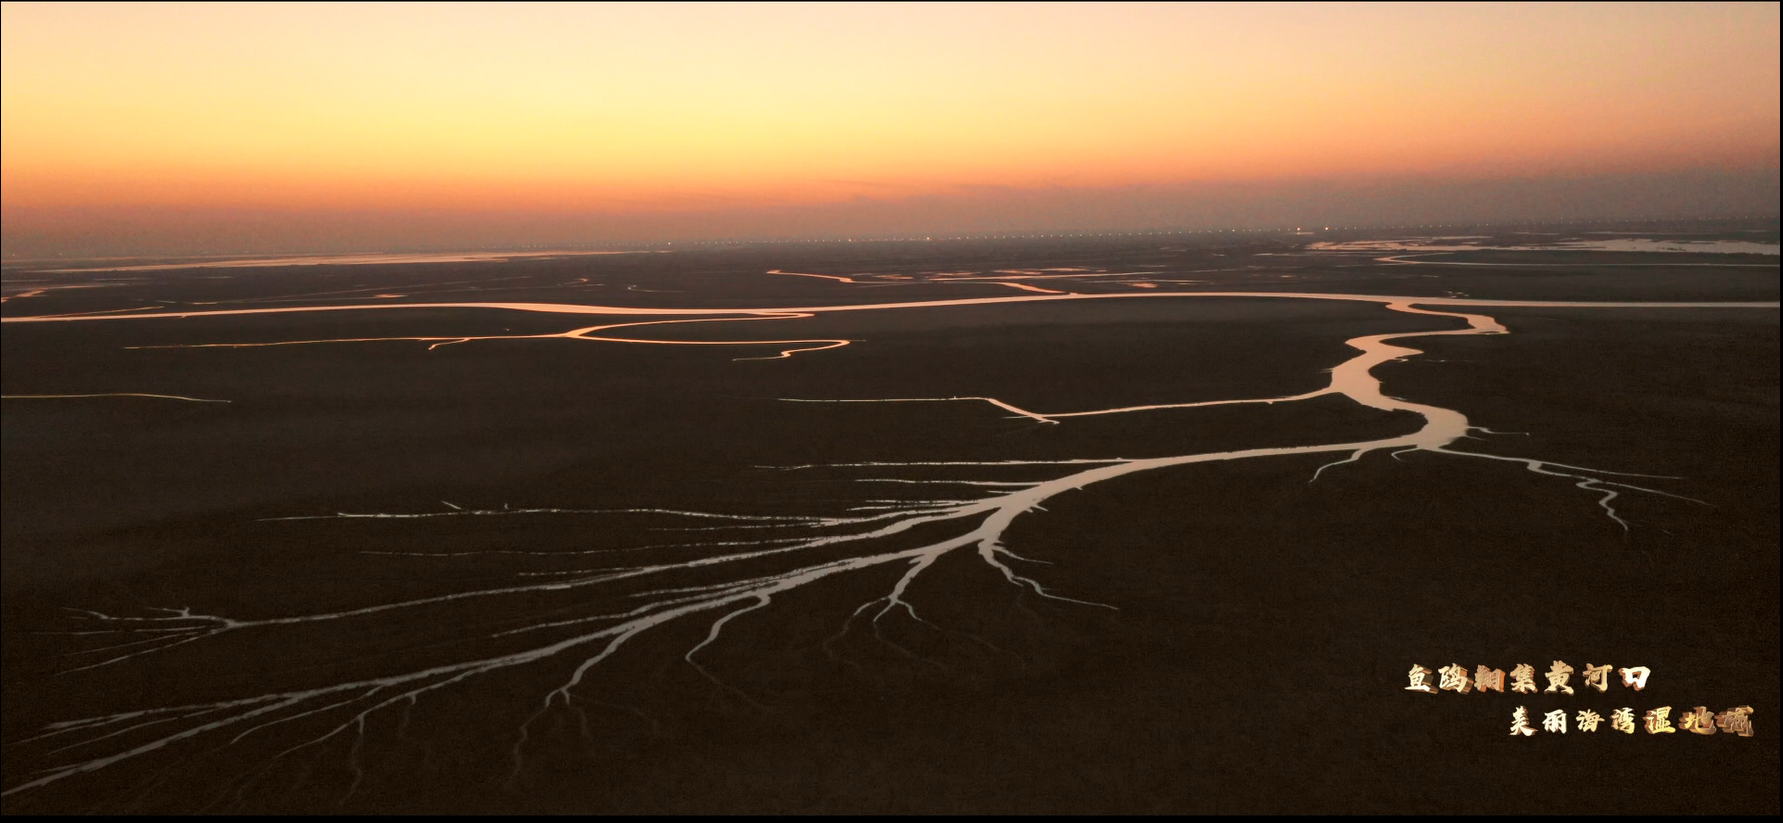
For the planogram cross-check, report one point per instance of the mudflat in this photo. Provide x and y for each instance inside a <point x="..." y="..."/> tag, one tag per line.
<point x="722" y="549"/>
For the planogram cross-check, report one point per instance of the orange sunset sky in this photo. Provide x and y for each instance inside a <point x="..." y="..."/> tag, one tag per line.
<point x="221" y="128"/>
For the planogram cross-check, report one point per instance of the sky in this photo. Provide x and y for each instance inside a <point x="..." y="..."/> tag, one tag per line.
<point x="220" y="128"/>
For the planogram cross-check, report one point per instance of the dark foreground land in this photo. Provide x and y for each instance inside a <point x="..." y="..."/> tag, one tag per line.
<point x="1217" y="637"/>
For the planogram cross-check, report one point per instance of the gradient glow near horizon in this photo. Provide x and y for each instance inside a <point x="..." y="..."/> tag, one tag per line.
<point x="641" y="109"/>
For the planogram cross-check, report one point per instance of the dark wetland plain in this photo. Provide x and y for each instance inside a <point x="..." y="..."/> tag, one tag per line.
<point x="1142" y="524"/>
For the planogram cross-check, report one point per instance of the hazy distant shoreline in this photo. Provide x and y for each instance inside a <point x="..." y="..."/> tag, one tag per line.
<point x="1634" y="244"/>
<point x="365" y="259"/>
